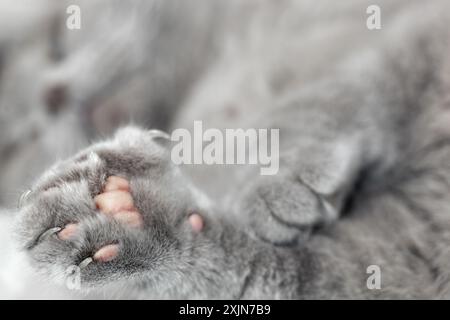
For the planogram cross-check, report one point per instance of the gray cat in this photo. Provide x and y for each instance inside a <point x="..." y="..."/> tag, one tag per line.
<point x="363" y="180"/>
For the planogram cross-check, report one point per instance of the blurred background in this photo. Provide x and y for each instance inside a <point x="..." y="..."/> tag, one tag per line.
<point x="61" y="88"/>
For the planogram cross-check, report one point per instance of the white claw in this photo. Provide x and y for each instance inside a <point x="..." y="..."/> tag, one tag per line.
<point x="85" y="263"/>
<point x="49" y="233"/>
<point x="23" y="198"/>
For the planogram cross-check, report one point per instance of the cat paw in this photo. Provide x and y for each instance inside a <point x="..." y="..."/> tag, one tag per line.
<point x="117" y="210"/>
<point x="284" y="209"/>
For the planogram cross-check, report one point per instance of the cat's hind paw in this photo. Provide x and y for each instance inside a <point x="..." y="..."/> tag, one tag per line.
<point x="117" y="210"/>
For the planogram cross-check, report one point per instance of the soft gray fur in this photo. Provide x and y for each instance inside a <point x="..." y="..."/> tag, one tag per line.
<point x="364" y="132"/>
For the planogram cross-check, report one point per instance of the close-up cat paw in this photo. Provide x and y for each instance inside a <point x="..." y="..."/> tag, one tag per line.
<point x="97" y="212"/>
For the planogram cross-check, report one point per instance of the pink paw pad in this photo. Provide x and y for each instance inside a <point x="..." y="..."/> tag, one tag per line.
<point x="107" y="253"/>
<point x="68" y="232"/>
<point x="116" y="201"/>
<point x="196" y="222"/>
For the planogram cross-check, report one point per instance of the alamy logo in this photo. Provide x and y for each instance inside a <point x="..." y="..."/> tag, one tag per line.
<point x="374" y="280"/>
<point x="373" y="22"/>
<point x="236" y="146"/>
<point x="73" y="21"/>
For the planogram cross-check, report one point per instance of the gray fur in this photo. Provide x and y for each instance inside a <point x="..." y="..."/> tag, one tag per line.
<point x="364" y="176"/>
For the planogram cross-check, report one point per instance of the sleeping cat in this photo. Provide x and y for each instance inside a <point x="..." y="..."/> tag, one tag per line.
<point x="364" y="175"/>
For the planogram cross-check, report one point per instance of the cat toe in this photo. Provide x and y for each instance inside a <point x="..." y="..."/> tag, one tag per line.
<point x="68" y="232"/>
<point x="107" y="253"/>
<point x="117" y="202"/>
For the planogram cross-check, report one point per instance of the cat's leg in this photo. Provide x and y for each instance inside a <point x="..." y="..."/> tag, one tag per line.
<point x="328" y="143"/>
<point x="112" y="212"/>
<point x="120" y="213"/>
<point x="310" y="190"/>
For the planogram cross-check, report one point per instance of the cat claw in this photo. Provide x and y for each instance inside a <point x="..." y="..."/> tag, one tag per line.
<point x="85" y="263"/>
<point x="49" y="233"/>
<point x="23" y="198"/>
